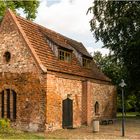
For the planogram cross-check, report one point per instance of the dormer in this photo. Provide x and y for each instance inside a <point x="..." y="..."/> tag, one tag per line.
<point x="87" y="62"/>
<point x="64" y="54"/>
<point x="63" y="48"/>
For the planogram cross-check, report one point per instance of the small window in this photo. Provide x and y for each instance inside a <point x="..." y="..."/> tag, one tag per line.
<point x="64" y="55"/>
<point x="96" y="106"/>
<point x="86" y="62"/>
<point x="7" y="56"/>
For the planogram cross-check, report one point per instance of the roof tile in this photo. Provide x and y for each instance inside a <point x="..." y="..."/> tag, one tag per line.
<point x="37" y="36"/>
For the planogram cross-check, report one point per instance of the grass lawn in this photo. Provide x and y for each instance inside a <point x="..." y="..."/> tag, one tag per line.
<point x="16" y="134"/>
<point x="129" y="114"/>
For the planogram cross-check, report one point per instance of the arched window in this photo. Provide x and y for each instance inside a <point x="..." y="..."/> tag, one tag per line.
<point x="96" y="106"/>
<point x="7" y="56"/>
<point x="8" y="104"/>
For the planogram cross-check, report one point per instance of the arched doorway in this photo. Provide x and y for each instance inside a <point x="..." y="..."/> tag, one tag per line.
<point x="67" y="121"/>
<point x="96" y="106"/>
<point x="8" y="103"/>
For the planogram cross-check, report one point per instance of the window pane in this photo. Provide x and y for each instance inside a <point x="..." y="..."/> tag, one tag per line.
<point x="64" y="55"/>
<point x="61" y="57"/>
<point x="86" y="63"/>
<point x="68" y="57"/>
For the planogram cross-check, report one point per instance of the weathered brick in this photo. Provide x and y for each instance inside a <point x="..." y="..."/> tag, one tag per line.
<point x="22" y="75"/>
<point x="40" y="95"/>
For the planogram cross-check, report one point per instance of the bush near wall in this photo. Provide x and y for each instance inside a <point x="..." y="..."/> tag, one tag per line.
<point x="5" y="126"/>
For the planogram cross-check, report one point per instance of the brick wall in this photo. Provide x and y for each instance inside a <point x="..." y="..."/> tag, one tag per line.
<point x="105" y="95"/>
<point x="57" y="90"/>
<point x="22" y="75"/>
<point x="84" y="102"/>
<point x="30" y="100"/>
<point x="11" y="41"/>
<point x="84" y="95"/>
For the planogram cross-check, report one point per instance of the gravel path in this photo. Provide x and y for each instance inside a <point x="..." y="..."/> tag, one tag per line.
<point x="111" y="131"/>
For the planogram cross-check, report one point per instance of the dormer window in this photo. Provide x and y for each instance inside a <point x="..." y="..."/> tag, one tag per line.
<point x="87" y="62"/>
<point x="64" y="55"/>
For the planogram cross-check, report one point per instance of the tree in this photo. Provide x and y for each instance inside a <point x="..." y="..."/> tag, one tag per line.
<point x="29" y="7"/>
<point x="115" y="70"/>
<point x="117" y="25"/>
<point x="111" y="67"/>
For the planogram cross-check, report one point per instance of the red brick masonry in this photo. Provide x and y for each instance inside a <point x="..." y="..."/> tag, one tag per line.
<point x="42" y="82"/>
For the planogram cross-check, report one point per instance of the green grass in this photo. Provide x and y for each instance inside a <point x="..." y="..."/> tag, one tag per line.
<point x="16" y="134"/>
<point x="129" y="114"/>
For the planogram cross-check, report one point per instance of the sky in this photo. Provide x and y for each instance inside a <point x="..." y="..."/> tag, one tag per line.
<point x="69" y="18"/>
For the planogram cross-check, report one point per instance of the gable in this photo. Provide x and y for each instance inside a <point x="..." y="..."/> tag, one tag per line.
<point x="12" y="42"/>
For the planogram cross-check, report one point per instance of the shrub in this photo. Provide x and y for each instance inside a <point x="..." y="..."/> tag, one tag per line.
<point x="5" y="125"/>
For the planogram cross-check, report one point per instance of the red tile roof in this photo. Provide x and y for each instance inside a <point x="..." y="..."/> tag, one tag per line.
<point x="35" y="36"/>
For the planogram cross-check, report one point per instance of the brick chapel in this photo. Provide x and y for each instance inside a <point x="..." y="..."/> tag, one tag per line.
<point x="49" y="81"/>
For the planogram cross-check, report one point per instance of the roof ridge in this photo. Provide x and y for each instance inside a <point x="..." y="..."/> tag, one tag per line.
<point x="36" y="24"/>
<point x="65" y="38"/>
<point x="43" y="68"/>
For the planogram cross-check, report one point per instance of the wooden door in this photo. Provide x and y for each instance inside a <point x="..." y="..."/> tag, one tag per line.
<point x="67" y="113"/>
